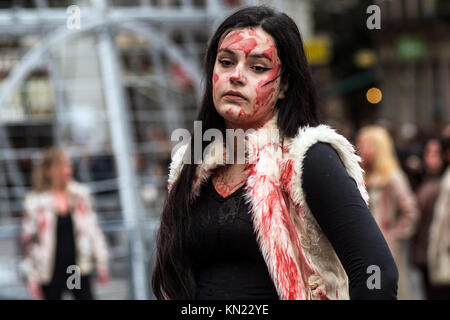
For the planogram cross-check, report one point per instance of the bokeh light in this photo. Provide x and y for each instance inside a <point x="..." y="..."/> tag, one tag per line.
<point x="374" y="95"/>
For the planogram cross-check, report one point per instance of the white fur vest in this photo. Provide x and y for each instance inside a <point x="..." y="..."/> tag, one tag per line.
<point x="300" y="259"/>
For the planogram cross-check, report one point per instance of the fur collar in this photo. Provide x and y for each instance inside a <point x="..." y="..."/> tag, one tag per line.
<point x="216" y="154"/>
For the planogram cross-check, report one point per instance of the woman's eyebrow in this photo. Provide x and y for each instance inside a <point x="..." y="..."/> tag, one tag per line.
<point x="253" y="55"/>
<point x="227" y="51"/>
<point x="259" y="55"/>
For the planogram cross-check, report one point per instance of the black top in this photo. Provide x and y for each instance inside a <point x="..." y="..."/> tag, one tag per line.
<point x="228" y="263"/>
<point x="65" y="246"/>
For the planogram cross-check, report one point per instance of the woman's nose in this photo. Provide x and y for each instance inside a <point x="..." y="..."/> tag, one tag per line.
<point x="237" y="76"/>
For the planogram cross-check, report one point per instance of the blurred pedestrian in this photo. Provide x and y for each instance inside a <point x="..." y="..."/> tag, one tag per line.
<point x="439" y="238"/>
<point x="427" y="193"/>
<point x="392" y="201"/>
<point x="60" y="237"/>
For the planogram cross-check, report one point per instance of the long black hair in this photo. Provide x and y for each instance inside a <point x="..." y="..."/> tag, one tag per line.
<point x="172" y="276"/>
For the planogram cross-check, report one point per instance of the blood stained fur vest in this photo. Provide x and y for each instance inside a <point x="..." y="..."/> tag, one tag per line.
<point x="301" y="261"/>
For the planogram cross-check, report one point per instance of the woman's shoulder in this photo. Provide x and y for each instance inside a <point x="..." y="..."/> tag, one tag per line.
<point x="322" y="137"/>
<point x="37" y="199"/>
<point x="176" y="163"/>
<point x="324" y="143"/>
<point x="445" y="182"/>
<point x="322" y="160"/>
<point x="32" y="197"/>
<point x="322" y="156"/>
<point x="78" y="188"/>
<point x="322" y="151"/>
<point x="398" y="177"/>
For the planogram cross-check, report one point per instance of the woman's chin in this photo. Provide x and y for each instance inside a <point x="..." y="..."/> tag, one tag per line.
<point x="232" y="111"/>
<point x="236" y="117"/>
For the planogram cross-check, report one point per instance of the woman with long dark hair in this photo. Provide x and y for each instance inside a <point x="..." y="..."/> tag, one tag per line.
<point x="427" y="195"/>
<point x="290" y="221"/>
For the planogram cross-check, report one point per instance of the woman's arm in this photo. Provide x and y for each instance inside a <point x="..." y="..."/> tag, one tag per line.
<point x="408" y="211"/>
<point x="29" y="228"/>
<point x="336" y="203"/>
<point x="28" y="238"/>
<point x="98" y="240"/>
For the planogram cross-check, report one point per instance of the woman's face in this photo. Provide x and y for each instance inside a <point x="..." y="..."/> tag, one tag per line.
<point x="246" y="78"/>
<point x="366" y="149"/>
<point x="60" y="173"/>
<point x="432" y="157"/>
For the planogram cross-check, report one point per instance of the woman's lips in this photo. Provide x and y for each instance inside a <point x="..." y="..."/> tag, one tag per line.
<point x="233" y="97"/>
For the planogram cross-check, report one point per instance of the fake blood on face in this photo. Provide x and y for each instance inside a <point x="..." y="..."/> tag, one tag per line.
<point x="258" y="87"/>
<point x="237" y="42"/>
<point x="265" y="89"/>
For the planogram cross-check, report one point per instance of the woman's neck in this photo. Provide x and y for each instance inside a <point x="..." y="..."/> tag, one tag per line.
<point x="59" y="189"/>
<point x="255" y="125"/>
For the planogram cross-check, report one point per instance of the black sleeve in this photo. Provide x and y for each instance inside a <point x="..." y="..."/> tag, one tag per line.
<point x="337" y="205"/>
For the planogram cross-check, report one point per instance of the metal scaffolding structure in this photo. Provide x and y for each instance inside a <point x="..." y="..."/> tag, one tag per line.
<point x="155" y="22"/>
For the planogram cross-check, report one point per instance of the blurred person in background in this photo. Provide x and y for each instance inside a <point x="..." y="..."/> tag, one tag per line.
<point x="392" y="202"/>
<point x="290" y="221"/>
<point x="60" y="229"/>
<point x="446" y="149"/>
<point x="446" y="131"/>
<point x="439" y="237"/>
<point x="427" y="193"/>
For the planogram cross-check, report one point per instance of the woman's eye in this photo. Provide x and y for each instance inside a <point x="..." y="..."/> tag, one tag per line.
<point x="225" y="63"/>
<point x="260" y="69"/>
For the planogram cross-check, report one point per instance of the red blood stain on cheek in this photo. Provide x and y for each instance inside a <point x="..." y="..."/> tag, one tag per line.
<point x="215" y="80"/>
<point x="264" y="94"/>
<point x="265" y="89"/>
<point x="271" y="53"/>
